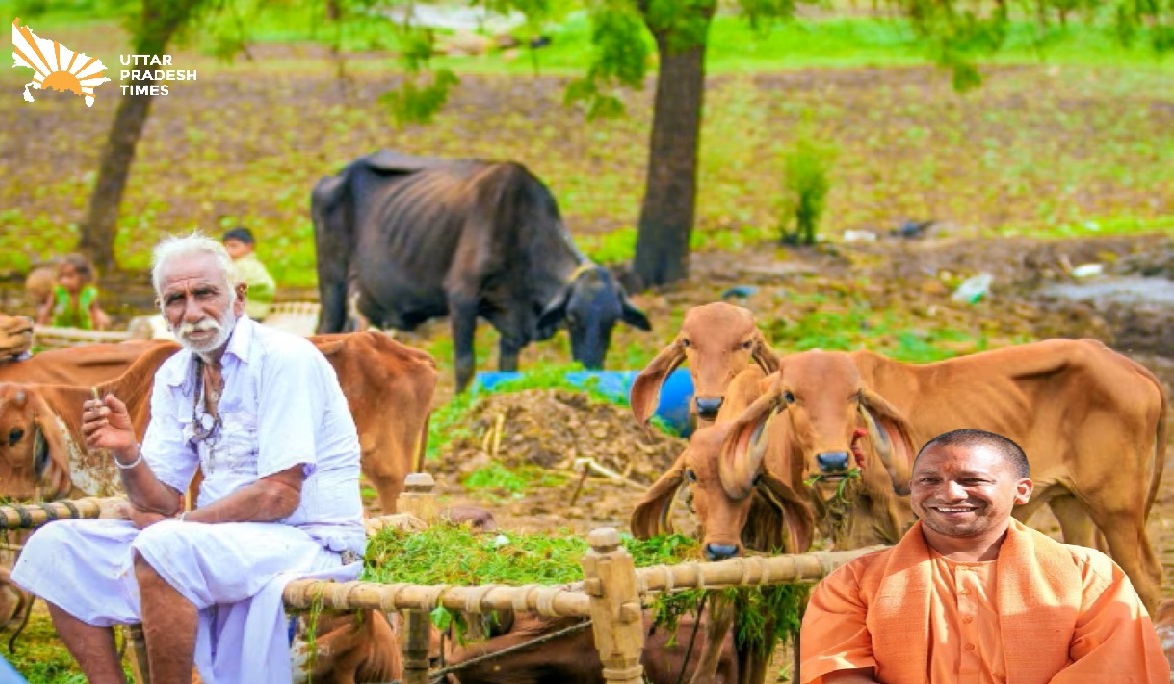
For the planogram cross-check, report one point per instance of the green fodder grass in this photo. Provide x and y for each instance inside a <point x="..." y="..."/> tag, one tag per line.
<point x="453" y="554"/>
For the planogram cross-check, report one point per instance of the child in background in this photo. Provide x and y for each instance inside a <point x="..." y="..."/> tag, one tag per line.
<point x="74" y="300"/>
<point x="239" y="244"/>
<point x="40" y="283"/>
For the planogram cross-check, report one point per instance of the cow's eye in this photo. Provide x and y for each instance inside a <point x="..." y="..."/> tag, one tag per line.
<point x="686" y="343"/>
<point x="789" y="397"/>
<point x="14" y="436"/>
<point x="747" y="345"/>
<point x="690" y="475"/>
<point x="756" y="480"/>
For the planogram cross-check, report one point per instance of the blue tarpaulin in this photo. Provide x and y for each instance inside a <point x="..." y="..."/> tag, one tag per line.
<point x="674" y="395"/>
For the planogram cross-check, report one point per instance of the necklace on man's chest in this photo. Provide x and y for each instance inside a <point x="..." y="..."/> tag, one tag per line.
<point x="206" y="424"/>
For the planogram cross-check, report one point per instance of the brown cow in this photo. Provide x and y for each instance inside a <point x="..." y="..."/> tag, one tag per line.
<point x="365" y="646"/>
<point x="573" y="658"/>
<point x="1091" y="420"/>
<point x="773" y="519"/>
<point x="83" y="366"/>
<point x="350" y="647"/>
<point x="41" y="445"/>
<point x="388" y="388"/>
<point x="719" y="341"/>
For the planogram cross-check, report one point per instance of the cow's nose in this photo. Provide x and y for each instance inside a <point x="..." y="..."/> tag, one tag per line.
<point x="833" y="461"/>
<point x="707" y="407"/>
<point x="716" y="552"/>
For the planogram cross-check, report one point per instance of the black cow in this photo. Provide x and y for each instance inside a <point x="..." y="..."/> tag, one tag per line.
<point x="417" y="238"/>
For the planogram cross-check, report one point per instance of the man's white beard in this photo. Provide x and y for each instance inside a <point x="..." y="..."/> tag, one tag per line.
<point x="203" y="348"/>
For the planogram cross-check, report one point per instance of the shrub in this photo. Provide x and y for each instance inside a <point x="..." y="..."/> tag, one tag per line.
<point x="805" y="185"/>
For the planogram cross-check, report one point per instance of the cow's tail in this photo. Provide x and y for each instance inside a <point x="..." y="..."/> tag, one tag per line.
<point x="1160" y="446"/>
<point x="1160" y="449"/>
<point x="422" y="445"/>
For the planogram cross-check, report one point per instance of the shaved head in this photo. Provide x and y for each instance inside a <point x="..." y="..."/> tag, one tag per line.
<point x="1013" y="455"/>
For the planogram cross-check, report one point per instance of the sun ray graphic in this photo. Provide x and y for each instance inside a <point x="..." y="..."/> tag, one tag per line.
<point x="55" y="66"/>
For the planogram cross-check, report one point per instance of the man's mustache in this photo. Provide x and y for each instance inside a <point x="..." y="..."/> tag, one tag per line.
<point x="202" y="325"/>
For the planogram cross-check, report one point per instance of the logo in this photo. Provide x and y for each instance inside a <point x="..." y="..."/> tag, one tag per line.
<point x="56" y="66"/>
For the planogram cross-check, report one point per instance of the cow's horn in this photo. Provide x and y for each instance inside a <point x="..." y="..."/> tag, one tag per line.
<point x="744" y="447"/>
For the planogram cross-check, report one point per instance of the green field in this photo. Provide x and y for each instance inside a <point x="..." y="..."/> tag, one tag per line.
<point x="1068" y="142"/>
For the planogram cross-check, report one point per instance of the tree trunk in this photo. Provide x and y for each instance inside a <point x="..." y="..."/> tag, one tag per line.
<point x="160" y="20"/>
<point x="670" y="195"/>
<point x="101" y="226"/>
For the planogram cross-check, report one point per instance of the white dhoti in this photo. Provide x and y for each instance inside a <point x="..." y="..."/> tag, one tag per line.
<point x="234" y="573"/>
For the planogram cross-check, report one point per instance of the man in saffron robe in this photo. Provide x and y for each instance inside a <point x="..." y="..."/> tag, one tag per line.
<point x="971" y="596"/>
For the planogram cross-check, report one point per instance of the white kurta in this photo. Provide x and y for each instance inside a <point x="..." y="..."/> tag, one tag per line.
<point x="282" y="407"/>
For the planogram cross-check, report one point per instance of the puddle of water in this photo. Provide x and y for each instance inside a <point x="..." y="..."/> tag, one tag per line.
<point x="1123" y="289"/>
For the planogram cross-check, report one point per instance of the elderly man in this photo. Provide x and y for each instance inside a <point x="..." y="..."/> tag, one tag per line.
<point x="261" y="414"/>
<point x="971" y="596"/>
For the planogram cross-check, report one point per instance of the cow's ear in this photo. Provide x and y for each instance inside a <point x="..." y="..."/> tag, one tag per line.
<point x="645" y="393"/>
<point x="633" y="316"/>
<point x="798" y="516"/>
<point x="51" y="450"/>
<point x="651" y="516"/>
<point x="890" y="436"/>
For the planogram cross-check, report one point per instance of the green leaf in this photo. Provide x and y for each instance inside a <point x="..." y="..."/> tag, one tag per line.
<point x="441" y="618"/>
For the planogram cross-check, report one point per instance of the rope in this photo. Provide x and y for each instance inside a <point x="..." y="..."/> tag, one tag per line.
<point x="580" y="270"/>
<point x="50" y="513"/>
<point x="438" y="675"/>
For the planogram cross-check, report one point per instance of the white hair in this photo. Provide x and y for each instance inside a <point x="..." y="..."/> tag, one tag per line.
<point x="187" y="245"/>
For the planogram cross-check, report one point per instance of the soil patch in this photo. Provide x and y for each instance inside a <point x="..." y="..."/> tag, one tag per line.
<point x="575" y="461"/>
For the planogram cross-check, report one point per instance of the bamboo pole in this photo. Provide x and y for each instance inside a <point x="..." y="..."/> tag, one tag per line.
<point x="548" y="601"/>
<point x="138" y="653"/>
<point x="419" y="498"/>
<point x="568" y="600"/>
<point x="610" y="580"/>
<point x="29" y="516"/>
<point x="749" y="571"/>
<point x="415" y="647"/>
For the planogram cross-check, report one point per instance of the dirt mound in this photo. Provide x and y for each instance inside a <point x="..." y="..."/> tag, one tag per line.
<point x="551" y="428"/>
<point x="518" y="454"/>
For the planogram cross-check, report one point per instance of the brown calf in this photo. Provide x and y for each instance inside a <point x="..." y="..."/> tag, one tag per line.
<point x="719" y="341"/>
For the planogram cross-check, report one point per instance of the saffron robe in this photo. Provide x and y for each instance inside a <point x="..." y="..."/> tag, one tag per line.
<point x="1068" y="615"/>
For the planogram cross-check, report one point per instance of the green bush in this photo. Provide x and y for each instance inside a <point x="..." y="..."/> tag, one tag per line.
<point x="805" y="186"/>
